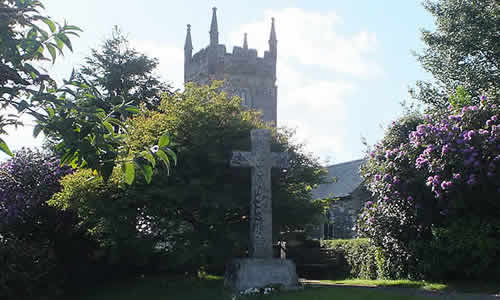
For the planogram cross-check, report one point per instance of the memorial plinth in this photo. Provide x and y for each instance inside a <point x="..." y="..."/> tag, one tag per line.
<point x="245" y="273"/>
<point x="260" y="269"/>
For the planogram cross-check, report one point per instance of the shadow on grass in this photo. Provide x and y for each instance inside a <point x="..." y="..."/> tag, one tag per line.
<point x="485" y="287"/>
<point x="155" y="288"/>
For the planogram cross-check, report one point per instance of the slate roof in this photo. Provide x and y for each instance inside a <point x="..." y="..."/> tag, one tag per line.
<point x="348" y="178"/>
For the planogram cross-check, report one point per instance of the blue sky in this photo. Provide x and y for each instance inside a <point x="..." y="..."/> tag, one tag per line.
<point x="343" y="66"/>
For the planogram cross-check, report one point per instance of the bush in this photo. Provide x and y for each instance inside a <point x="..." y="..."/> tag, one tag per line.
<point x="36" y="239"/>
<point x="357" y="258"/>
<point x="108" y="215"/>
<point x="200" y="209"/>
<point x="29" y="269"/>
<point x="469" y="245"/>
<point x="428" y="173"/>
<point x="27" y="181"/>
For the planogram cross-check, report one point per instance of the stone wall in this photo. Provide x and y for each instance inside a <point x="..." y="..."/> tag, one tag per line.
<point x="246" y="75"/>
<point x="343" y="214"/>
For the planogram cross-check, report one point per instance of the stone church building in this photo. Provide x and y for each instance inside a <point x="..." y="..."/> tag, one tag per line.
<point x="253" y="79"/>
<point x="345" y="184"/>
<point x="246" y="75"/>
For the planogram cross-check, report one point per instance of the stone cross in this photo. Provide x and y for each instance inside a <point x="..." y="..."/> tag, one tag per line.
<point x="260" y="160"/>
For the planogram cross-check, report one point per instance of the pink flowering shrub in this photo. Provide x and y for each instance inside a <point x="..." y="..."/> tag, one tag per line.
<point x="428" y="173"/>
<point x="27" y="181"/>
<point x="42" y="250"/>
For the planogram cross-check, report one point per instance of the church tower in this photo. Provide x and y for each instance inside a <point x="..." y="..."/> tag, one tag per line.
<point x="246" y="75"/>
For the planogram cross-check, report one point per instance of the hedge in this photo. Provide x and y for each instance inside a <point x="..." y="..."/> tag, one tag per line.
<point x="358" y="258"/>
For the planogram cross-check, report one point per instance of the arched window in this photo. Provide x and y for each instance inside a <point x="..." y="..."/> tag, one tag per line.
<point x="244" y="94"/>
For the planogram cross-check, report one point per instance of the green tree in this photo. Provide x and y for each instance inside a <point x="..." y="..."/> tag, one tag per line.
<point x="462" y="51"/>
<point x="201" y="210"/>
<point x="24" y="42"/>
<point x="120" y="72"/>
<point x="71" y="115"/>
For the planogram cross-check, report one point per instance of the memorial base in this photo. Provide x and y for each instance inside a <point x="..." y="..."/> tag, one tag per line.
<point x="242" y="274"/>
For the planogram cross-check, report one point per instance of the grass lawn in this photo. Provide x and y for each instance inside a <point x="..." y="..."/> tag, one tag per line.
<point x="392" y="283"/>
<point x="482" y="287"/>
<point x="212" y="288"/>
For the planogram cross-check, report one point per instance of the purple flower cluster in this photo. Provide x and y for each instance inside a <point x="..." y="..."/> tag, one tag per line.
<point x="466" y="148"/>
<point x="445" y="154"/>
<point x="27" y="181"/>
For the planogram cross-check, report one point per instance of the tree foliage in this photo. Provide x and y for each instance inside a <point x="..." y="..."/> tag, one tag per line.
<point x="85" y="135"/>
<point x="462" y="51"/>
<point x="201" y="210"/>
<point x="121" y="72"/>
<point x="27" y="37"/>
<point x="71" y="115"/>
<point x="427" y="175"/>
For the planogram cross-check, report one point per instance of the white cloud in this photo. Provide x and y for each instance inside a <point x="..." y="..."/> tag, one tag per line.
<point x="171" y="66"/>
<point x="311" y="56"/>
<point x="317" y="111"/>
<point x="312" y="38"/>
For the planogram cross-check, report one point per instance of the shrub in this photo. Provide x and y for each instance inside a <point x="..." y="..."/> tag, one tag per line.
<point x="358" y="258"/>
<point x="29" y="269"/>
<point x="427" y="173"/>
<point x="27" y="181"/>
<point x="200" y="209"/>
<point x="469" y="244"/>
<point x="32" y="234"/>
<point x="108" y="215"/>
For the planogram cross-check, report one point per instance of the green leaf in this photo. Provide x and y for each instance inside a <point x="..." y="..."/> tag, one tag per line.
<point x="129" y="173"/>
<point x="164" y="140"/>
<point x="51" y="24"/>
<point x="52" y="52"/>
<point x="147" y="155"/>
<point x="22" y="105"/>
<point x="60" y="146"/>
<point x="148" y="172"/>
<point x="31" y="34"/>
<point x="115" y="122"/>
<point x="172" y="154"/>
<point x="50" y="111"/>
<point x="67" y="157"/>
<point x="100" y="115"/>
<point x="164" y="157"/>
<point x="4" y="148"/>
<point x="109" y="127"/>
<point x="65" y="40"/>
<point x="74" y="160"/>
<point x="73" y="74"/>
<point x="133" y="109"/>
<point x="73" y="33"/>
<point x="44" y="33"/>
<point x="36" y="131"/>
<point x="60" y="44"/>
<point x="72" y="27"/>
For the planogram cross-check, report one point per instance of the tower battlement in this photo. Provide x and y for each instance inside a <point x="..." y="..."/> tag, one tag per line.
<point x="240" y="61"/>
<point x="246" y="75"/>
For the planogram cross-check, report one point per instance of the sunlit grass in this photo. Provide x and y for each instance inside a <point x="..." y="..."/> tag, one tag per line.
<point x="484" y="287"/>
<point x="391" y="283"/>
